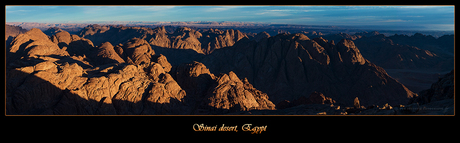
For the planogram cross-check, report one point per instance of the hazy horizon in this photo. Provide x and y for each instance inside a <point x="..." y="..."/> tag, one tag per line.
<point x="439" y="18"/>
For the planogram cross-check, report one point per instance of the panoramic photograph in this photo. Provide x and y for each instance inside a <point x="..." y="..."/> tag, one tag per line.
<point x="234" y="60"/>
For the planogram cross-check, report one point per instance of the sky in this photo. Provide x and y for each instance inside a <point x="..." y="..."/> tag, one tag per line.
<point x="390" y="17"/>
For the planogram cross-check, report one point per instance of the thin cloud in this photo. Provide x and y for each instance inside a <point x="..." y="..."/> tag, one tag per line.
<point x="17" y="11"/>
<point x="219" y="9"/>
<point x="395" y="20"/>
<point x="416" y="7"/>
<point x="313" y="10"/>
<point x="290" y="10"/>
<point x="275" y="12"/>
<point x="415" y="16"/>
<point x="154" y="8"/>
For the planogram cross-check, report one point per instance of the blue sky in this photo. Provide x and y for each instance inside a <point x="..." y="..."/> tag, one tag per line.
<point x="393" y="17"/>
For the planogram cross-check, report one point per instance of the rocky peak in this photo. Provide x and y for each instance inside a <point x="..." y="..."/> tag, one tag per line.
<point x="332" y="42"/>
<point x="62" y="36"/>
<point x="160" y="29"/>
<point x="106" y="54"/>
<point x="261" y="36"/>
<point x="138" y="51"/>
<point x="367" y="34"/>
<point x="93" y="29"/>
<point x="320" y="40"/>
<point x="195" y="69"/>
<point x="300" y="36"/>
<point x="183" y="29"/>
<point x="213" y="31"/>
<point x="230" y="94"/>
<point x="74" y="44"/>
<point x="52" y="31"/>
<point x="349" y="52"/>
<point x="374" y="33"/>
<point x="36" y="34"/>
<point x="193" y="77"/>
<point x="11" y="30"/>
<point x="34" y="43"/>
<point x="418" y="35"/>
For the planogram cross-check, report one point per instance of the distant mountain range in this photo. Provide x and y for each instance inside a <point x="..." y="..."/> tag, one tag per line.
<point x="245" y="27"/>
<point x="115" y="69"/>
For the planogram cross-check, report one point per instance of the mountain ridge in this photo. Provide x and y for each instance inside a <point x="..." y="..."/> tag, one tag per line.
<point x="181" y="38"/>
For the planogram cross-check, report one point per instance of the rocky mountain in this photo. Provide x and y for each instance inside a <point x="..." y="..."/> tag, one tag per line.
<point x="288" y="66"/>
<point x="182" y="38"/>
<point x="137" y="70"/>
<point x="416" y="61"/>
<point x="401" y="51"/>
<point x="442" y="44"/>
<point x="69" y="27"/>
<point x="437" y="100"/>
<point x="73" y="44"/>
<point x="53" y="30"/>
<point x="12" y="31"/>
<point x="44" y="78"/>
<point x="384" y="52"/>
